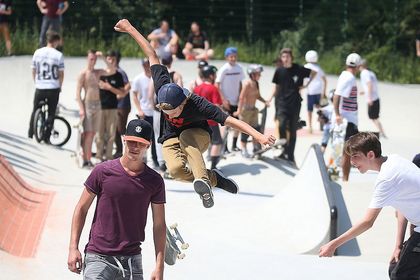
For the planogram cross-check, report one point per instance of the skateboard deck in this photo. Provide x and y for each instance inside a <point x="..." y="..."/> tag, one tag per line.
<point x="172" y="250"/>
<point x="79" y="143"/>
<point x="278" y="145"/>
<point x="337" y="145"/>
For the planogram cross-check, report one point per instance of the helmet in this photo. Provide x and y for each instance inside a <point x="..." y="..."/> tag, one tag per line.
<point x="353" y="60"/>
<point x="230" y="50"/>
<point x="311" y="56"/>
<point x="208" y="70"/>
<point x="202" y="63"/>
<point x="254" y="68"/>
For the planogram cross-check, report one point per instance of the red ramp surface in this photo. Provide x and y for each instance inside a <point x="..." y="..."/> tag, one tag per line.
<point x="23" y="211"/>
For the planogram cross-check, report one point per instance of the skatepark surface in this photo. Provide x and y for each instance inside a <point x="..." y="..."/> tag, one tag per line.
<point x="270" y="230"/>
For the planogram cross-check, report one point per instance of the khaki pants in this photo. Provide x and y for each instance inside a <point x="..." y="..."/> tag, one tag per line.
<point x="106" y="133"/>
<point x="184" y="156"/>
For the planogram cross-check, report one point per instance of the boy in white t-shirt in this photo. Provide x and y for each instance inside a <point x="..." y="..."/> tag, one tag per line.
<point x="229" y="79"/>
<point x="48" y="75"/>
<point x="370" y="87"/>
<point x="345" y="104"/>
<point x="397" y="185"/>
<point x="318" y="85"/>
<point x="143" y="101"/>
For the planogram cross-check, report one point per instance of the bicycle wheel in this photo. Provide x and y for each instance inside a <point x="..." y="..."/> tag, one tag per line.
<point x="61" y="132"/>
<point x="39" y="125"/>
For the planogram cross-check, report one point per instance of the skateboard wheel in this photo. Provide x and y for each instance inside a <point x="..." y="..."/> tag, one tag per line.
<point x="181" y="256"/>
<point x="185" y="246"/>
<point x="173" y="226"/>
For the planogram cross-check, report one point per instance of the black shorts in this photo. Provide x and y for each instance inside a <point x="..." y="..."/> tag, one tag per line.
<point x="351" y="130"/>
<point x="408" y="266"/>
<point x="216" y="137"/>
<point x="373" y="111"/>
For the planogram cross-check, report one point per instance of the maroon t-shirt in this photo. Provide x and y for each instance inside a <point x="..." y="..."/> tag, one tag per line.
<point x="121" y="207"/>
<point x="52" y="7"/>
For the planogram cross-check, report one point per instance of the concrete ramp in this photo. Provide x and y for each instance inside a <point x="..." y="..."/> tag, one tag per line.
<point x="301" y="217"/>
<point x="23" y="211"/>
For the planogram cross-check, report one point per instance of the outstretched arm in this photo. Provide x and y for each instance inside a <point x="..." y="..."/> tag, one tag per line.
<point x="328" y="249"/>
<point x="246" y="128"/>
<point x="125" y="26"/>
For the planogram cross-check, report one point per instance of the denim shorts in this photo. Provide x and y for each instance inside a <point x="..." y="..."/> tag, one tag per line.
<point x="112" y="267"/>
<point x="313" y="100"/>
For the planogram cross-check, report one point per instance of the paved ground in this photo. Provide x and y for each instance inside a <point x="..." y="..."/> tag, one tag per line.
<point x="216" y="249"/>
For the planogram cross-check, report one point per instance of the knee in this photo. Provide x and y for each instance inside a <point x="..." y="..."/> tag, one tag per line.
<point x="176" y="169"/>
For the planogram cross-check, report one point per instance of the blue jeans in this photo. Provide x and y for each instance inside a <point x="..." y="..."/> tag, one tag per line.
<point x="53" y="23"/>
<point x="112" y="267"/>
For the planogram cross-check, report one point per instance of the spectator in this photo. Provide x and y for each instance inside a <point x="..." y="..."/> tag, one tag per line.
<point x="197" y="81"/>
<point x="288" y="80"/>
<point x="345" y="104"/>
<point x="317" y="87"/>
<point x="164" y="40"/>
<point x="370" y="87"/>
<point x="5" y="12"/>
<point x="418" y="43"/>
<point x="124" y="188"/>
<point x="89" y="105"/>
<point x="229" y="81"/>
<point x="48" y="76"/>
<point x="197" y="46"/>
<point x="397" y="185"/>
<point x="143" y="101"/>
<point x="51" y="11"/>
<point x="111" y="86"/>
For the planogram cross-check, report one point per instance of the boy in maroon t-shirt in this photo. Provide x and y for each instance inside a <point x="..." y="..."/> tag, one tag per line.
<point x="209" y="91"/>
<point x="52" y="10"/>
<point x="124" y="188"/>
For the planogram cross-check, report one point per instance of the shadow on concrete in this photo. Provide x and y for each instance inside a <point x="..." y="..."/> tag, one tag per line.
<point x="11" y="156"/>
<point x="218" y="190"/>
<point x="282" y="165"/>
<point x="17" y="140"/>
<point x="241" y="168"/>
<point x="351" y="248"/>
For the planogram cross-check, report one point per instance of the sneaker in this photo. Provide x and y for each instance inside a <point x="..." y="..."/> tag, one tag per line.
<point x="235" y="149"/>
<point x="204" y="191"/>
<point x="245" y="154"/>
<point x="282" y="156"/>
<point x="225" y="183"/>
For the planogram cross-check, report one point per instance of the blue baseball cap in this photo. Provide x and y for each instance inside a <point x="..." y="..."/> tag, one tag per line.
<point x="172" y="94"/>
<point x="231" y="50"/>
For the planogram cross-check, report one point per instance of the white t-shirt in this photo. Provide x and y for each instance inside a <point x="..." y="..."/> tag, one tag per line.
<point x="347" y="89"/>
<point x="368" y="76"/>
<point x="47" y="62"/>
<point x="398" y="185"/>
<point x="317" y="84"/>
<point x="230" y="78"/>
<point x="141" y="84"/>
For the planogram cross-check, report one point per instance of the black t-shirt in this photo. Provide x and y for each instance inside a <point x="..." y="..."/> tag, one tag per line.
<point x="4" y="6"/>
<point x="108" y="99"/>
<point x="195" y="114"/>
<point x="197" y="40"/>
<point x="290" y="80"/>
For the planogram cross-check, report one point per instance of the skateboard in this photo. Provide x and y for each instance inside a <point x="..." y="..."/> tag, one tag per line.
<point x="79" y="143"/>
<point x="337" y="145"/>
<point x="278" y="145"/>
<point x="172" y="250"/>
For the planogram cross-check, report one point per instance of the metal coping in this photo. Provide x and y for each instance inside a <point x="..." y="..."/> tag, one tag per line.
<point x="328" y="191"/>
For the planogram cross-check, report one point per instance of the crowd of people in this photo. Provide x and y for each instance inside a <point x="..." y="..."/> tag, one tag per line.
<point x="181" y="124"/>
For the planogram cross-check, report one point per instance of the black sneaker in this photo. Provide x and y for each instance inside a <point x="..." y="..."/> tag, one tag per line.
<point x="225" y="183"/>
<point x="204" y="191"/>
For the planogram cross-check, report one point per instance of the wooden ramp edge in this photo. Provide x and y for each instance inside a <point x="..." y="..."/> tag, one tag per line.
<point x="23" y="211"/>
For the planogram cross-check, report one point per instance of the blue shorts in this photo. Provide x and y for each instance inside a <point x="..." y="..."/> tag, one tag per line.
<point x="313" y="100"/>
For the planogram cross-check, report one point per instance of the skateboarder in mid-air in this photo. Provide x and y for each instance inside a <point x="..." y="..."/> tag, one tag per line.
<point x="185" y="133"/>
